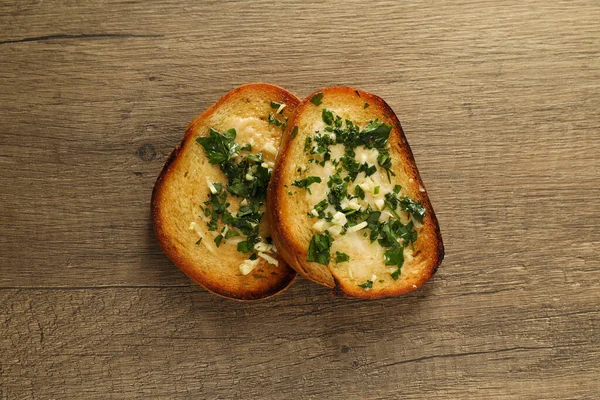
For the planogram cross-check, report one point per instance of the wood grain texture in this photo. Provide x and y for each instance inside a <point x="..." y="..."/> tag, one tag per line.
<point x="499" y="101"/>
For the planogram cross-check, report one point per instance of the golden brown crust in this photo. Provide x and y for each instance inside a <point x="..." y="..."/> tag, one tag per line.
<point x="294" y="250"/>
<point x="279" y="278"/>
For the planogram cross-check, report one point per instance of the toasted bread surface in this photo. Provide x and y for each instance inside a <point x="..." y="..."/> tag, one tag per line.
<point x="289" y="206"/>
<point x="183" y="187"/>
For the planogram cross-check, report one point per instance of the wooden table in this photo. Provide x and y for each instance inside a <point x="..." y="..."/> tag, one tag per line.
<point x="500" y="101"/>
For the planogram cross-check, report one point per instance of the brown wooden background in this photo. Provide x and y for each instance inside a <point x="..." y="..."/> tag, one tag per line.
<point x="500" y="101"/>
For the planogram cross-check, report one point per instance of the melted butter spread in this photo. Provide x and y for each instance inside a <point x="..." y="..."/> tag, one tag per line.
<point x="367" y="258"/>
<point x="259" y="134"/>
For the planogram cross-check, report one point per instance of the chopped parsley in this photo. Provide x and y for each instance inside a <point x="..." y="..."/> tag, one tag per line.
<point x="294" y="132"/>
<point x="218" y="240"/>
<point x="367" y="285"/>
<point x="318" y="248"/>
<point x="394" y="256"/>
<point x="306" y="182"/>
<point x="327" y="116"/>
<point x="274" y="121"/>
<point x="231" y="233"/>
<point x="415" y="208"/>
<point x="219" y="147"/>
<point x="341" y="257"/>
<point x="307" y="143"/>
<point x="247" y="178"/>
<point x="317" y="99"/>
<point x="320" y="208"/>
<point x="375" y="134"/>
<point x="393" y="235"/>
<point x="245" y="247"/>
<point x="338" y="190"/>
<point x="359" y="192"/>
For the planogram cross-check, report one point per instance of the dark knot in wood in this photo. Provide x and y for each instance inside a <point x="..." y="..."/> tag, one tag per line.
<point x="147" y="152"/>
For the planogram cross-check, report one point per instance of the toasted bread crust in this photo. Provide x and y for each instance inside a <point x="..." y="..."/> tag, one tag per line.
<point x="279" y="279"/>
<point x="294" y="250"/>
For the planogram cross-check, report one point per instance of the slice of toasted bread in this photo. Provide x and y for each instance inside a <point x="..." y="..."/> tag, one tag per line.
<point x="216" y="237"/>
<point x="336" y="211"/>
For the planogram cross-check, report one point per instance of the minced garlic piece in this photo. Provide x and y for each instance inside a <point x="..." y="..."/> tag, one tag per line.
<point x="247" y="266"/>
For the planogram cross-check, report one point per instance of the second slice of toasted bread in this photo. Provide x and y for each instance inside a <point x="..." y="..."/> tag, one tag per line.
<point x="208" y="202"/>
<point x="346" y="203"/>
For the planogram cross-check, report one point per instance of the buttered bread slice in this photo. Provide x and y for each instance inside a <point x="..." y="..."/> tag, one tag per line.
<point x="346" y="203"/>
<point x="209" y="201"/>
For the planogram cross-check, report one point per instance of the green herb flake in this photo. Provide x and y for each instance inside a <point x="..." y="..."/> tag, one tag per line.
<point x="245" y="247"/>
<point x="219" y="147"/>
<point x="275" y="105"/>
<point x="359" y="192"/>
<point x="199" y="241"/>
<point x="318" y="248"/>
<point x="257" y="158"/>
<point x="366" y="105"/>
<point x="376" y="190"/>
<point x="341" y="257"/>
<point x="307" y="144"/>
<point x="306" y="182"/>
<point x="395" y="256"/>
<point x="231" y="233"/>
<point x="397" y="189"/>
<point x="338" y="121"/>
<point x="317" y="99"/>
<point x="327" y="116"/>
<point x="367" y="285"/>
<point x="290" y="193"/>
<point x="218" y="186"/>
<point x="212" y="225"/>
<point x="274" y="121"/>
<point x="414" y="207"/>
<point x="338" y="190"/>
<point x="375" y="134"/>
<point x="218" y="240"/>
<point x="294" y="132"/>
